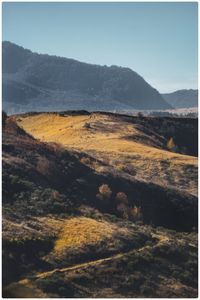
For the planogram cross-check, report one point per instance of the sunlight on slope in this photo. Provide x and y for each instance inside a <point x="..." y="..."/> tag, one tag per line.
<point x="104" y="134"/>
<point x="78" y="232"/>
<point x="106" y="138"/>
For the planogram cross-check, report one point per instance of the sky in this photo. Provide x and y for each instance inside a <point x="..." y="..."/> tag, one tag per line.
<point x="158" y="40"/>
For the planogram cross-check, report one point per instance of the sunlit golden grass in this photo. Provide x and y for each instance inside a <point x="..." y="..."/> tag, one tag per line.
<point x="81" y="231"/>
<point x="105" y="135"/>
<point x="106" y="139"/>
<point x="68" y="233"/>
<point x="77" y="231"/>
<point x="78" y="234"/>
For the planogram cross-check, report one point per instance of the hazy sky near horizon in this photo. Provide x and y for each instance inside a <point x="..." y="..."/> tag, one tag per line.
<point x="157" y="40"/>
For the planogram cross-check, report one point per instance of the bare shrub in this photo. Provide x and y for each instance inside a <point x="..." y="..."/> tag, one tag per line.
<point x="136" y="213"/>
<point x="122" y="209"/>
<point x="121" y="197"/>
<point x="104" y="192"/>
<point x="122" y="204"/>
<point x="43" y="165"/>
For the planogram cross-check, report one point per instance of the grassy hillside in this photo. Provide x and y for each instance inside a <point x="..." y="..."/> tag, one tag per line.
<point x="78" y="223"/>
<point x="119" y="259"/>
<point x="135" y="146"/>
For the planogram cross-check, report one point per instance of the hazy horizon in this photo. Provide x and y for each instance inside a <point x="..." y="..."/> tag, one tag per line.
<point x="156" y="40"/>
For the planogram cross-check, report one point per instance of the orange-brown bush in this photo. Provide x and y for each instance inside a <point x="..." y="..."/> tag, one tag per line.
<point x="170" y="144"/>
<point x="105" y="191"/>
<point x="136" y="213"/>
<point x="121" y="197"/>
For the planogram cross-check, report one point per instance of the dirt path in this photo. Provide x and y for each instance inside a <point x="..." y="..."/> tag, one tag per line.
<point x="161" y="240"/>
<point x="27" y="287"/>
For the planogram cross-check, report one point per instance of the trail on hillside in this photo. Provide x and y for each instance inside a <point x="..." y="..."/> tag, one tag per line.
<point x="162" y="239"/>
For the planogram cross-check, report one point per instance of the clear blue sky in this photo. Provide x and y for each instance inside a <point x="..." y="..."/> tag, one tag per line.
<point x="157" y="40"/>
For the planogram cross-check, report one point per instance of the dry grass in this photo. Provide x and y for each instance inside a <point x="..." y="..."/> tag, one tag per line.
<point x="78" y="232"/>
<point x="76" y="235"/>
<point x="105" y="135"/>
<point x="106" y="140"/>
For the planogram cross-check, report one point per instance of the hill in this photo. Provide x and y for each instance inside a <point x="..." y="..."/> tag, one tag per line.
<point x="36" y="82"/>
<point x="182" y="98"/>
<point x="78" y="225"/>
<point x="137" y="146"/>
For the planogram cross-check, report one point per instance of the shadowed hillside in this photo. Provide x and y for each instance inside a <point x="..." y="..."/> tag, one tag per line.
<point x="75" y="225"/>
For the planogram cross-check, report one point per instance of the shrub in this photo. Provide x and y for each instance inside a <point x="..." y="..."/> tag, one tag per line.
<point x="104" y="192"/>
<point x="121" y="197"/>
<point x="136" y="213"/>
<point x="122" y="210"/>
<point x="122" y="204"/>
<point x="171" y="145"/>
<point x="43" y="165"/>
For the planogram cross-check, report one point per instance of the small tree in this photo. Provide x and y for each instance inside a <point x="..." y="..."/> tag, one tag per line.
<point x="104" y="192"/>
<point x="136" y="213"/>
<point x="122" y="209"/>
<point x="121" y="197"/>
<point x="171" y="145"/>
<point x="122" y="204"/>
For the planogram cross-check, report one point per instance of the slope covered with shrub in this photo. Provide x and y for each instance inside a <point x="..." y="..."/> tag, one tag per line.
<point x="70" y="230"/>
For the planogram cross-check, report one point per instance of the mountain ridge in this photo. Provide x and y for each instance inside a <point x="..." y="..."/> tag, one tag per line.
<point x="184" y="98"/>
<point x="38" y="81"/>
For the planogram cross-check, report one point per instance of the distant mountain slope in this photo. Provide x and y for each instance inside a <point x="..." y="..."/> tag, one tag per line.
<point x="182" y="98"/>
<point x="38" y="82"/>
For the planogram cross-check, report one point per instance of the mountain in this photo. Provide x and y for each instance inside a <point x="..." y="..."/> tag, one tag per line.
<point x="182" y="98"/>
<point x="36" y="82"/>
